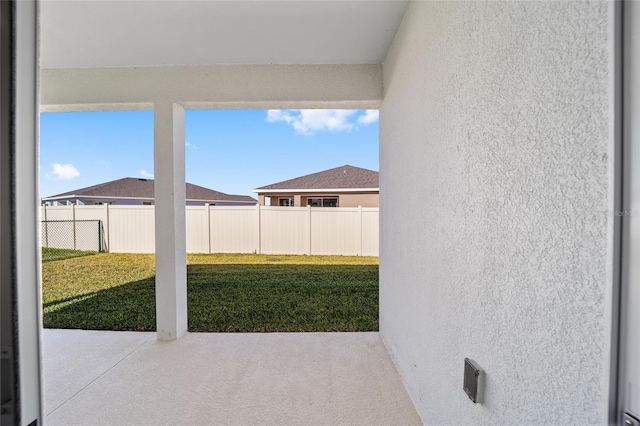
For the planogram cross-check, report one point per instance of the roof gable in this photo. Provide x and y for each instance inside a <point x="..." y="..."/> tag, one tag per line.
<point x="344" y="177"/>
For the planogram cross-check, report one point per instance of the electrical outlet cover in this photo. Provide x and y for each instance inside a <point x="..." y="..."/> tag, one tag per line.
<point x="473" y="380"/>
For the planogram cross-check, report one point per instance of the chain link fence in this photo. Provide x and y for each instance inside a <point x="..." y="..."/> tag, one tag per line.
<point x="64" y="239"/>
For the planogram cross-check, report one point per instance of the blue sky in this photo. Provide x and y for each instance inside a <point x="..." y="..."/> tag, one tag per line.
<point x="232" y="151"/>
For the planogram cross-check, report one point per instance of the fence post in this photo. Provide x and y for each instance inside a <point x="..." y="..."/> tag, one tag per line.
<point x="360" y="230"/>
<point x="99" y="237"/>
<point x="107" y="233"/>
<point x="73" y="220"/>
<point x="208" y="213"/>
<point x="259" y="236"/>
<point x="309" y="230"/>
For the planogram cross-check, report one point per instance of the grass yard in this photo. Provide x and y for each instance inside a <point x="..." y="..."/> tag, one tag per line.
<point x="50" y="254"/>
<point x="226" y="293"/>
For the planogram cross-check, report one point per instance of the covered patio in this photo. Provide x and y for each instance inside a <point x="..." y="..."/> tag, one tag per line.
<point x="501" y="204"/>
<point x="216" y="55"/>
<point x="107" y="377"/>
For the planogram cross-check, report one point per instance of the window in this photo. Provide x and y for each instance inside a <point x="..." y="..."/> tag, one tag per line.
<point x="287" y="202"/>
<point x="322" y="202"/>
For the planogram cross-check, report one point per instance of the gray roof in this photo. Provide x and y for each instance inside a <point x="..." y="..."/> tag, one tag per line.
<point x="143" y="188"/>
<point x="344" y="177"/>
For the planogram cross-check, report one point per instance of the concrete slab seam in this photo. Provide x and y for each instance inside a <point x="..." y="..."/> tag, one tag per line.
<point x="100" y="376"/>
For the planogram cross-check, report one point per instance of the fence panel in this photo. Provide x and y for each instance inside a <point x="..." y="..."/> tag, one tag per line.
<point x="370" y="231"/>
<point x="58" y="213"/>
<point x="96" y="213"/>
<point x="284" y="230"/>
<point x="197" y="229"/>
<point x="335" y="231"/>
<point x="234" y="229"/>
<point x="58" y="234"/>
<point x="70" y="238"/>
<point x="132" y="229"/>
<point x="228" y="229"/>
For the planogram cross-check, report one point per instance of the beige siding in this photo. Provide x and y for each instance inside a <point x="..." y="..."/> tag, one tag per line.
<point x="346" y="199"/>
<point x="355" y="200"/>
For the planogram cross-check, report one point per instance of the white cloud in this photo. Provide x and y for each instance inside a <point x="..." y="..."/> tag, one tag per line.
<point x="369" y="116"/>
<point x="310" y="121"/>
<point x="146" y="174"/>
<point x="190" y="145"/>
<point x="275" y="115"/>
<point x="104" y="164"/>
<point x="65" y="171"/>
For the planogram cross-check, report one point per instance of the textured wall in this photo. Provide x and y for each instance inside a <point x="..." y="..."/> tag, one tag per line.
<point x="495" y="117"/>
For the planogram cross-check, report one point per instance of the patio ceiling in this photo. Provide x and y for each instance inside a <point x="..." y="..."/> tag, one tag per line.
<point x="109" y="33"/>
<point x="106" y="55"/>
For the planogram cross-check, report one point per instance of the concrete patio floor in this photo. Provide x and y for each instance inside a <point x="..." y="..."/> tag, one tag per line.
<point x="119" y="378"/>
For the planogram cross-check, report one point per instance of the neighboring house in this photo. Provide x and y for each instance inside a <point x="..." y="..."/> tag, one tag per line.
<point x="135" y="191"/>
<point x="345" y="186"/>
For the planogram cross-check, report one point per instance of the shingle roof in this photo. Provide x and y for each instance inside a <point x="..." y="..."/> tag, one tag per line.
<point x="143" y="188"/>
<point x="339" y="178"/>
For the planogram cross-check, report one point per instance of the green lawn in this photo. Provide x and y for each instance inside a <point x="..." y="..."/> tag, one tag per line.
<point x="50" y="254"/>
<point x="226" y="293"/>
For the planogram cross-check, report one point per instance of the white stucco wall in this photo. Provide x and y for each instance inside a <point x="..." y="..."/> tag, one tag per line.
<point x="496" y="118"/>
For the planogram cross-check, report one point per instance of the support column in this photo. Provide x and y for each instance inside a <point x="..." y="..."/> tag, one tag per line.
<point x="20" y="287"/>
<point x="171" y="247"/>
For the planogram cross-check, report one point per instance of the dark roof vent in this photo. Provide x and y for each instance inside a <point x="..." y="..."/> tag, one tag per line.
<point x="143" y="180"/>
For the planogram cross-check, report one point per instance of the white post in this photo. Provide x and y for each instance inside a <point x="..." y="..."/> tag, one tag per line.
<point x="207" y="211"/>
<point x="360" y="230"/>
<point x="259" y="235"/>
<point x="107" y="230"/>
<point x="308" y="230"/>
<point x="170" y="201"/>
<point x="73" y="223"/>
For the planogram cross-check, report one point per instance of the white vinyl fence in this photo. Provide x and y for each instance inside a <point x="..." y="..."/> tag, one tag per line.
<point x="227" y="229"/>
